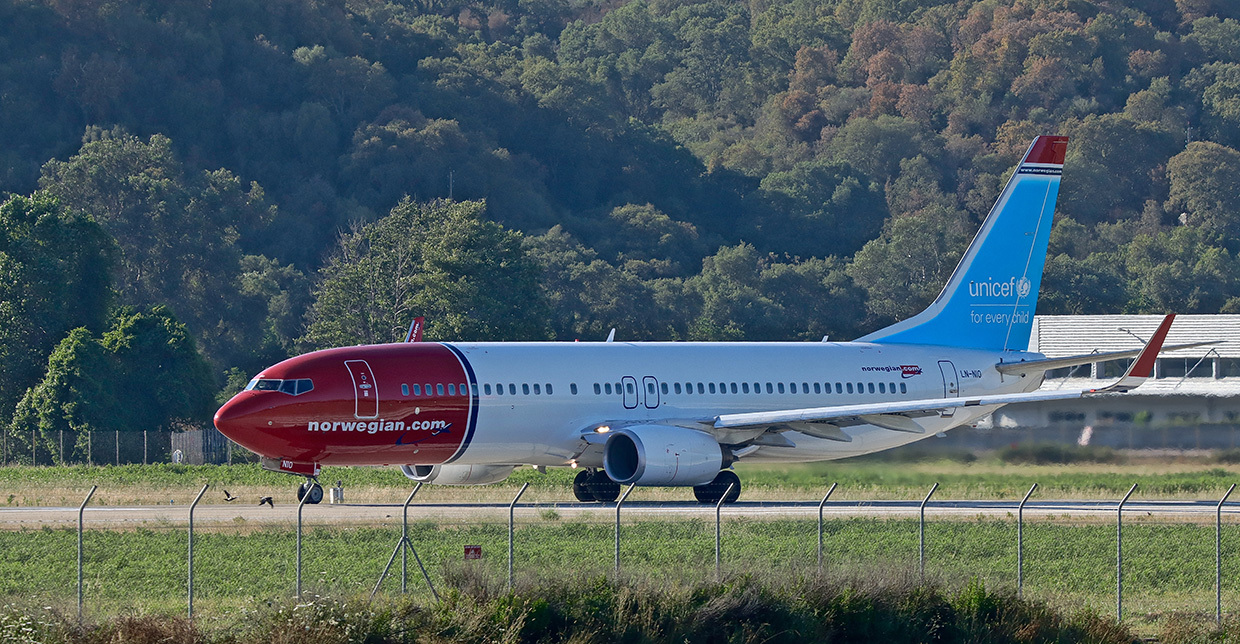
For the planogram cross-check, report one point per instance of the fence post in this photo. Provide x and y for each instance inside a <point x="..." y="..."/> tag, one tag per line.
<point x="719" y="506"/>
<point x="619" y="503"/>
<point x="300" y="504"/>
<point x="144" y="447"/>
<point x="820" y="506"/>
<point x="1218" y="557"/>
<point x="403" y="545"/>
<point x="190" y="586"/>
<point x="1119" y="555"/>
<point x="921" y="533"/>
<point x="1020" y="543"/>
<point x="511" y="507"/>
<point x="81" y="513"/>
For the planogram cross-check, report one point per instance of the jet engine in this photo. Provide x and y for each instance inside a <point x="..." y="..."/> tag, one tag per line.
<point x="661" y="455"/>
<point x="458" y="474"/>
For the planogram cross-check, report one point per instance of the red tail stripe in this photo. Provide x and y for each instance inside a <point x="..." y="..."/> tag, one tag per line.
<point x="1144" y="366"/>
<point x="1048" y="149"/>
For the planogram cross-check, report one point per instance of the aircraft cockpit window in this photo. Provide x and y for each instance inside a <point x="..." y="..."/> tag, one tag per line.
<point x="289" y="387"/>
<point x="266" y="384"/>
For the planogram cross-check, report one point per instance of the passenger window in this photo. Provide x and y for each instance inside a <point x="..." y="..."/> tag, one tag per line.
<point x="871" y="387"/>
<point x="499" y="390"/>
<point x="438" y="390"/>
<point x="572" y="388"/>
<point x="464" y="389"/>
<point x="770" y="389"/>
<point x="512" y="388"/>
<point x="850" y="388"/>
<point x="688" y="387"/>
<point x="650" y="388"/>
<point x="757" y="388"/>
<point x="701" y="388"/>
<point x="597" y="389"/>
<point x="663" y="387"/>
<point x="861" y="387"/>
<point x="548" y="385"/>
<point x="607" y="388"/>
<point x="882" y="388"/>
<point x="537" y="390"/>
<point x="839" y="389"/>
<point x="805" y="387"/>
<point x="903" y="389"/>
<point x="781" y="387"/>
<point x="525" y="388"/>
<point x="417" y="390"/>
<point x="451" y="389"/>
<point x="474" y="388"/>
<point x="745" y="387"/>
<point x="628" y="386"/>
<point x="712" y="387"/>
<point x="891" y="388"/>
<point x="792" y="387"/>
<point x="486" y="389"/>
<point x="404" y="389"/>
<point x="817" y="388"/>
<point x="676" y="387"/>
<point x="734" y="387"/>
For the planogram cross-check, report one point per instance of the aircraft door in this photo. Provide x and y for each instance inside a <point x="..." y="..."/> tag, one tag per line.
<point x="365" y="393"/>
<point x="651" y="384"/>
<point x="951" y="383"/>
<point x="629" y="383"/>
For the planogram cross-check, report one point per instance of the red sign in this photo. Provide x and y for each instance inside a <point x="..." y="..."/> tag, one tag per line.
<point x="473" y="552"/>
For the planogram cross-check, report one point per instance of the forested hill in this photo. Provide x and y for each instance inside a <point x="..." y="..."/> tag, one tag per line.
<point x="268" y="176"/>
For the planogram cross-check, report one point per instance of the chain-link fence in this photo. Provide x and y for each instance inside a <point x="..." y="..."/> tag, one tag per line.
<point x="192" y="446"/>
<point x="1133" y="557"/>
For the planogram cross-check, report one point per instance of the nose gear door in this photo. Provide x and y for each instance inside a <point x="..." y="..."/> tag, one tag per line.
<point x="365" y="393"/>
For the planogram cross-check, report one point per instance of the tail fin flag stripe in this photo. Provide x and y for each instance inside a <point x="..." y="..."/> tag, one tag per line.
<point x="989" y="301"/>
<point x="1143" y="366"/>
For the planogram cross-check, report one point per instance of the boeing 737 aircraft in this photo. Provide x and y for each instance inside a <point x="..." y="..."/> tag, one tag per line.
<point x="680" y="413"/>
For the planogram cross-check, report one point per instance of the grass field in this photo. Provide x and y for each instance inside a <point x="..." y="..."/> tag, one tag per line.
<point x="1168" y="567"/>
<point x="985" y="478"/>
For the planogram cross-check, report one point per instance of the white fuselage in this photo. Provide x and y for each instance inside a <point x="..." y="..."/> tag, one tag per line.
<point x="620" y="383"/>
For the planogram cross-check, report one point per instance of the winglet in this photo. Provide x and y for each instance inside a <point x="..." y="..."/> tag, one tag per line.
<point x="415" y="331"/>
<point x="1143" y="366"/>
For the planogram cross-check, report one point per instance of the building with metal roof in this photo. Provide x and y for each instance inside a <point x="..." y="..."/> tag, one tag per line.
<point x="1191" y="389"/>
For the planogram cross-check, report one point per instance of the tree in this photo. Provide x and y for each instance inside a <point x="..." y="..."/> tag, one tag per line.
<point x="179" y="232"/>
<point x="443" y="260"/>
<point x="908" y="264"/>
<point x="55" y="269"/>
<point x="1204" y="179"/>
<point x="822" y="208"/>
<point x="143" y="373"/>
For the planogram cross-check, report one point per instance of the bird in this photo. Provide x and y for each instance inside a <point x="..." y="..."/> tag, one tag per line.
<point x="266" y="500"/>
<point x="229" y="497"/>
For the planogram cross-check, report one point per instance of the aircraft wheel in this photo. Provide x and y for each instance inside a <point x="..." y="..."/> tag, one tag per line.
<point x="314" y="490"/>
<point x="713" y="491"/>
<point x="581" y="486"/>
<point x="603" y="488"/>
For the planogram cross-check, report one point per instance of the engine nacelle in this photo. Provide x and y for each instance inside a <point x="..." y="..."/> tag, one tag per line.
<point x="458" y="474"/>
<point x="662" y="455"/>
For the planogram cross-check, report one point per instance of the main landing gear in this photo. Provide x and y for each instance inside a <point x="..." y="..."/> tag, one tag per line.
<point x="713" y="491"/>
<point x="311" y="491"/>
<point x="595" y="485"/>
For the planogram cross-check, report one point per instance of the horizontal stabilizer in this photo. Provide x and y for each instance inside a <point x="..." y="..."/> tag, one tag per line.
<point x="1025" y="367"/>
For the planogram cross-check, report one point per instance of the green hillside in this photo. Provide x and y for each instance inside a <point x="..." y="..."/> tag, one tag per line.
<point x="236" y="171"/>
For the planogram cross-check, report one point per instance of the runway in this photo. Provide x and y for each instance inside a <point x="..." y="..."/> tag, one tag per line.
<point x="156" y="516"/>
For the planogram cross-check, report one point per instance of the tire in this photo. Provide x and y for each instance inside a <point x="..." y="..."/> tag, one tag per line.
<point x="313" y="489"/>
<point x="604" y="489"/>
<point x="711" y="492"/>
<point x="581" y="487"/>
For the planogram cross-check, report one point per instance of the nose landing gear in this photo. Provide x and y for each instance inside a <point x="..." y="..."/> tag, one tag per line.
<point x="311" y="491"/>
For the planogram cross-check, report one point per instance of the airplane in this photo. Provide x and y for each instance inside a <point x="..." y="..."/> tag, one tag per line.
<point x="681" y="413"/>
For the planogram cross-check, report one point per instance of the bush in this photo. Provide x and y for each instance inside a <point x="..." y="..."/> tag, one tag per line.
<point x="1056" y="453"/>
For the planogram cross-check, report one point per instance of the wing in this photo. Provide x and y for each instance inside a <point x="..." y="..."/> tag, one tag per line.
<point x="824" y="422"/>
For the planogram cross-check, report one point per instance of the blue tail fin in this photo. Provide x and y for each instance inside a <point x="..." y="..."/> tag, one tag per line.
<point x="989" y="301"/>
